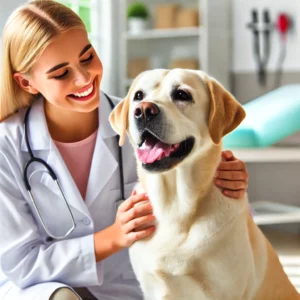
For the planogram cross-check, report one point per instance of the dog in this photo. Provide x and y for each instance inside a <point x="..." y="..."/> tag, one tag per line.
<point x="206" y="245"/>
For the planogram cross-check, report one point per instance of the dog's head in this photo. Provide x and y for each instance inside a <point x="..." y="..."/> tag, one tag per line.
<point x="170" y="115"/>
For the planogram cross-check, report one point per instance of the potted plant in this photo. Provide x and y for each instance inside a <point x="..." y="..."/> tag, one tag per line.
<point x="137" y="14"/>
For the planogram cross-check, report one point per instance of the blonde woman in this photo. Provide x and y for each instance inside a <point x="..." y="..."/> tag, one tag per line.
<point x="69" y="240"/>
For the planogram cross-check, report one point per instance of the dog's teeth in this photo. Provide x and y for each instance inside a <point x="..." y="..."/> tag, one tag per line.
<point x="143" y="145"/>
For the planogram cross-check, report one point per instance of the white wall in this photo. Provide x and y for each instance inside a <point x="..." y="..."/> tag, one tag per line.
<point x="6" y="7"/>
<point x="243" y="59"/>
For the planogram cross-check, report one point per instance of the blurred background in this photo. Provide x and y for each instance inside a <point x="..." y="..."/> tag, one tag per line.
<point x="253" y="48"/>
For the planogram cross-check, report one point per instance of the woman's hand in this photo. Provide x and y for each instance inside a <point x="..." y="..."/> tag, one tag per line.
<point x="231" y="176"/>
<point x="132" y="224"/>
<point x="132" y="218"/>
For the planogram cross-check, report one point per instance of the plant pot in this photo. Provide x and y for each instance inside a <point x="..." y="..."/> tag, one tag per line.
<point x="136" y="25"/>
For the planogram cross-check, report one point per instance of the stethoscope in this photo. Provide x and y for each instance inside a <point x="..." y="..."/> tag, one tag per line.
<point x="34" y="159"/>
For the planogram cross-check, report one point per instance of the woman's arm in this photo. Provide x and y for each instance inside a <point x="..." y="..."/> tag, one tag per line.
<point x="231" y="176"/>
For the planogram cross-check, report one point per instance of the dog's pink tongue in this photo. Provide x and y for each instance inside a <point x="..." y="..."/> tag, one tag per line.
<point x="153" y="150"/>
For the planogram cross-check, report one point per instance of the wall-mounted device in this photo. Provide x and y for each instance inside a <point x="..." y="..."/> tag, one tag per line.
<point x="283" y="25"/>
<point x="262" y="32"/>
<point x="261" y="56"/>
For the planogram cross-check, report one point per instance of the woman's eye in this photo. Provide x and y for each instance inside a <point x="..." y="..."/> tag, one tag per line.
<point x="62" y="76"/>
<point x="90" y="58"/>
<point x="182" y="95"/>
<point x="139" y="95"/>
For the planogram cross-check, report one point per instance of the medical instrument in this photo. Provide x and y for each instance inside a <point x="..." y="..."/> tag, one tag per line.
<point x="283" y="26"/>
<point x="261" y="58"/>
<point x="34" y="159"/>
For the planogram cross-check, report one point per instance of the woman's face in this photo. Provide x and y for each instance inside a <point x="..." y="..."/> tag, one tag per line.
<point x="68" y="73"/>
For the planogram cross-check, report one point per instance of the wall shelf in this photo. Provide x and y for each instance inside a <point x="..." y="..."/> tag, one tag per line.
<point x="268" y="155"/>
<point x="201" y="43"/>
<point x="165" y="33"/>
<point x="266" y="213"/>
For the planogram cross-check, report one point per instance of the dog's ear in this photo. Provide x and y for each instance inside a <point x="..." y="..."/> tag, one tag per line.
<point x="225" y="111"/>
<point x="118" y="119"/>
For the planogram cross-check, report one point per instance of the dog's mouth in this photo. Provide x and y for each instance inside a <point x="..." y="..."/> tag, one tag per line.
<point x="157" y="155"/>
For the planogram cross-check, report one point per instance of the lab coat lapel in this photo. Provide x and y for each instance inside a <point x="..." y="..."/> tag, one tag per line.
<point x="40" y="140"/>
<point x="104" y="163"/>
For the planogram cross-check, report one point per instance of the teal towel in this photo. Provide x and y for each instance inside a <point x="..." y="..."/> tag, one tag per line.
<point x="269" y="119"/>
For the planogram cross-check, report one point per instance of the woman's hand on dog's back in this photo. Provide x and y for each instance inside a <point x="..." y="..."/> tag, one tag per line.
<point x="231" y="176"/>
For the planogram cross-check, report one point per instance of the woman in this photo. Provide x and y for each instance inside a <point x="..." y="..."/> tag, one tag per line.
<point x="49" y="63"/>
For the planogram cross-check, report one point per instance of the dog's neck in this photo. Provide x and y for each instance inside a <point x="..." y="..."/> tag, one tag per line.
<point x="177" y="194"/>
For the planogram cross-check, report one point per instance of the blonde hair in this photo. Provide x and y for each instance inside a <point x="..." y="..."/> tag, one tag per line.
<point x="27" y="33"/>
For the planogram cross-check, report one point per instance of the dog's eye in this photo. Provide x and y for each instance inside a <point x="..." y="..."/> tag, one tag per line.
<point x="181" y="95"/>
<point x="139" y="95"/>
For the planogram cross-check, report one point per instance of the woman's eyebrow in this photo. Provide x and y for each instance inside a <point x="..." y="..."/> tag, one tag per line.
<point x="86" y="48"/>
<point x="57" y="67"/>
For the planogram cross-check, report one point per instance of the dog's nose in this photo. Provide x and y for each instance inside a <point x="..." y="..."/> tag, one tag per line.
<point x="146" y="111"/>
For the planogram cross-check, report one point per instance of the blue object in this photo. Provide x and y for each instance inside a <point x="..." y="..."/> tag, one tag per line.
<point x="269" y="119"/>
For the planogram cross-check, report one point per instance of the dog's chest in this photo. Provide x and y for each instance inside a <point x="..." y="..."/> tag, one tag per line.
<point x="159" y="255"/>
<point x="196" y="259"/>
<point x="164" y="273"/>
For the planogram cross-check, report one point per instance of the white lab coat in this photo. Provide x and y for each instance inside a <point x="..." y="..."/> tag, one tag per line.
<point x="33" y="267"/>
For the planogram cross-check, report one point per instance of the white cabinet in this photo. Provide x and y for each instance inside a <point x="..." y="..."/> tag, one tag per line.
<point x="210" y="43"/>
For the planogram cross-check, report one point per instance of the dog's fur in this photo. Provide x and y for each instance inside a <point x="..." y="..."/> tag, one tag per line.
<point x="206" y="245"/>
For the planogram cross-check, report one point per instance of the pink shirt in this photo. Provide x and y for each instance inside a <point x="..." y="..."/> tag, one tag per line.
<point x="78" y="159"/>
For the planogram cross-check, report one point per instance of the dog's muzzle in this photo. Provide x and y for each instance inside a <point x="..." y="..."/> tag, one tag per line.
<point x="155" y="154"/>
<point x="145" y="112"/>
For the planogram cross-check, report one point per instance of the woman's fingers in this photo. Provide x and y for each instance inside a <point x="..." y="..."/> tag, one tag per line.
<point x="231" y="185"/>
<point x="131" y="201"/>
<point x="234" y="194"/>
<point x="137" y="222"/>
<point x="136" y="211"/>
<point x="231" y="175"/>
<point x="138" y="235"/>
<point x="234" y="165"/>
<point x="228" y="155"/>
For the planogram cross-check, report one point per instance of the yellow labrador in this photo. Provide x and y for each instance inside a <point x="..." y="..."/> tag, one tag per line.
<point x="206" y="246"/>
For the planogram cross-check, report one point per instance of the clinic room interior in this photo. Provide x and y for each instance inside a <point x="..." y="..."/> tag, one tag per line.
<point x="252" y="48"/>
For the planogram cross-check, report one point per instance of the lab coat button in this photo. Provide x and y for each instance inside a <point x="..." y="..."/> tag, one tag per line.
<point x="86" y="221"/>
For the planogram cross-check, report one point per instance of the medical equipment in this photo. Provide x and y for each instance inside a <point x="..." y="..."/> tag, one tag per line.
<point x="34" y="159"/>
<point x="261" y="58"/>
<point x="282" y="26"/>
<point x="269" y="119"/>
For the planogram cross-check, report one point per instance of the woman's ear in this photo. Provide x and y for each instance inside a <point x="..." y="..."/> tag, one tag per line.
<point x="25" y="83"/>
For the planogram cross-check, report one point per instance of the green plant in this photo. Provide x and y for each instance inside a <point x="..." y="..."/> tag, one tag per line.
<point x="137" y="9"/>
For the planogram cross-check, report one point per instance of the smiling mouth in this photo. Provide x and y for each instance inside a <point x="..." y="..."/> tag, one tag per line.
<point x="86" y="95"/>
<point x="159" y="156"/>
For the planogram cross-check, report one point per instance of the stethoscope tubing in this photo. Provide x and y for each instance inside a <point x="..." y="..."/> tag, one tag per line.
<point x="51" y="172"/>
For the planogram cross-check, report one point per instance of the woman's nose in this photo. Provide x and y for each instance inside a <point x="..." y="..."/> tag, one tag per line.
<point x="82" y="77"/>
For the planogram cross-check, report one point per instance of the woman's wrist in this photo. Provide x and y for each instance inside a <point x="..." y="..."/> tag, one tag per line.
<point x="105" y="243"/>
